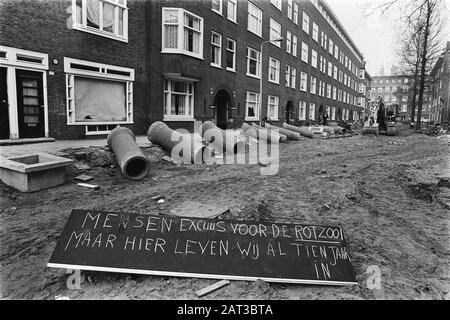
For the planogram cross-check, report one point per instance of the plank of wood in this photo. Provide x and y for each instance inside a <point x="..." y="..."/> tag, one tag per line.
<point x="87" y="185"/>
<point x="212" y="288"/>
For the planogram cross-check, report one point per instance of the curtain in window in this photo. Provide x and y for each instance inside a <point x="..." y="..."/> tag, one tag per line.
<point x="178" y="104"/>
<point x="171" y="36"/>
<point x="93" y="14"/>
<point x="99" y="100"/>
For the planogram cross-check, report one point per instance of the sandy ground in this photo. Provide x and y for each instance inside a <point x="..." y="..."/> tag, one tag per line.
<point x="390" y="195"/>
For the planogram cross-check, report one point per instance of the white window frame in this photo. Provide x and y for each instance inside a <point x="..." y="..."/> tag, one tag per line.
<point x="257" y="103"/>
<point x="232" y="14"/>
<point x="217" y="46"/>
<point x="258" y="63"/>
<point x="276" y="3"/>
<point x="289" y="10"/>
<point x="83" y="26"/>
<point x="287" y="78"/>
<point x="303" y="81"/>
<point x="275" y="105"/>
<point x="293" y="77"/>
<point x="288" y="41"/>
<point x="302" y="110"/>
<point x="330" y="46"/>
<point x="315" y="33"/>
<point x="275" y="68"/>
<point x="305" y="22"/>
<point x="313" y="85"/>
<point x="180" y="45"/>
<point x="275" y="32"/>
<point x="186" y="116"/>
<point x="234" y="55"/>
<point x="103" y="72"/>
<point x="305" y="52"/>
<point x="257" y="15"/>
<point x="328" y="91"/>
<point x="220" y="9"/>
<point x="295" y="13"/>
<point x="312" y="111"/>
<point x="294" y="45"/>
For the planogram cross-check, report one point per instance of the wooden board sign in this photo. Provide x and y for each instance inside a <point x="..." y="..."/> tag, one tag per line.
<point x="203" y="248"/>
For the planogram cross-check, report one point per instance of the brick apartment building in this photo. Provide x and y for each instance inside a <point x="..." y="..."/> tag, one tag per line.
<point x="81" y="67"/>
<point x="398" y="89"/>
<point x="440" y="88"/>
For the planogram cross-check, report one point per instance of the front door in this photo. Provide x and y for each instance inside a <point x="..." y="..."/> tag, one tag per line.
<point x="4" y="112"/>
<point x="288" y="111"/>
<point x="222" y="103"/>
<point x="30" y="104"/>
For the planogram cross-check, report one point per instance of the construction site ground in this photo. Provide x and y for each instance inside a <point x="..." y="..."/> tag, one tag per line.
<point x="390" y="195"/>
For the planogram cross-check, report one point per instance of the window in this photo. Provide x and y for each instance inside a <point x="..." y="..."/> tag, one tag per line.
<point x="314" y="58"/>
<point x="305" y="49"/>
<point x="380" y="89"/>
<point x="274" y="70"/>
<point x="330" y="46"/>
<point x="305" y="24"/>
<point x="404" y="108"/>
<point x="404" y="98"/>
<point x="275" y="32"/>
<point x="328" y="111"/>
<point x="232" y="10"/>
<point x="294" y="45"/>
<point x="217" y="6"/>
<point x="231" y="55"/>
<point x="276" y="3"/>
<point x="216" y="49"/>
<point x="333" y="113"/>
<point x="252" y="106"/>
<point x="178" y="99"/>
<point x="387" y="89"/>
<point x="394" y="89"/>
<point x="287" y="80"/>
<point x="315" y="33"/>
<point x="253" y="63"/>
<point x="405" y="80"/>
<point x="289" y="11"/>
<point x="335" y="72"/>
<point x="98" y="93"/>
<point x="272" y="107"/>
<point x="295" y="15"/>
<point x="334" y="93"/>
<point x="387" y="98"/>
<point x="329" y="91"/>
<point x="303" y="81"/>
<point x="313" y="85"/>
<point x="302" y="111"/>
<point x="293" y="77"/>
<point x="254" y="19"/>
<point x="330" y="69"/>
<point x="182" y="32"/>
<point x="312" y="111"/>
<point x="288" y="41"/>
<point x="336" y="52"/>
<point x="105" y="18"/>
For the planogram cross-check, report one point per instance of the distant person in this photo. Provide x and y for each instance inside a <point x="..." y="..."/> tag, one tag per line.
<point x="325" y="119"/>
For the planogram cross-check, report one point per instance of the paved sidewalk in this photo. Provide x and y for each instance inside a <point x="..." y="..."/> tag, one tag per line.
<point x="54" y="147"/>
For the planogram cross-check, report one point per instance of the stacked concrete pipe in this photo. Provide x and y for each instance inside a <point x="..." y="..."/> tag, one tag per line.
<point x="228" y="143"/>
<point x="258" y="132"/>
<point x="291" y="135"/>
<point x="302" y="131"/>
<point x="267" y="131"/>
<point x="132" y="162"/>
<point x="159" y="133"/>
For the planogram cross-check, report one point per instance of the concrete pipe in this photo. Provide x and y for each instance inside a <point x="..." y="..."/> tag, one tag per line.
<point x="229" y="144"/>
<point x="176" y="143"/>
<point x="132" y="162"/>
<point x="256" y="131"/>
<point x="370" y="130"/>
<point x="291" y="135"/>
<point x="302" y="131"/>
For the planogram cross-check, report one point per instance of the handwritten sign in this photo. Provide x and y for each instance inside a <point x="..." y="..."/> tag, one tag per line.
<point x="203" y="248"/>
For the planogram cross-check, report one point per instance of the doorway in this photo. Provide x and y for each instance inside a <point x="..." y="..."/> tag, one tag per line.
<point x="289" y="108"/>
<point x="4" y="106"/>
<point x="30" y="104"/>
<point x="222" y="102"/>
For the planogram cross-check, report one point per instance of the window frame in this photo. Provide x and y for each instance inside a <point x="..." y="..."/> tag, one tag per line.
<point x="180" y="30"/>
<point x="258" y="105"/>
<point x="234" y="55"/>
<point x="235" y="6"/>
<point x="277" y="105"/>
<point x="258" y="63"/>
<point x="307" y="52"/>
<point x="303" y="81"/>
<point x="260" y="18"/>
<point x="216" y="46"/>
<point x="104" y="73"/>
<point x="305" y="22"/>
<point x="185" y="117"/>
<point x="302" y="106"/>
<point x="85" y="28"/>
<point x="276" y="23"/>
<point x="219" y="12"/>
<point x="276" y="68"/>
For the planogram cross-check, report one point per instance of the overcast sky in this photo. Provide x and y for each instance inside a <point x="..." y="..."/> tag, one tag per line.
<point x="373" y="34"/>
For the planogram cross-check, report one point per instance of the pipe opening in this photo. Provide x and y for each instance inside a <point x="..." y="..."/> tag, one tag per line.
<point x="136" y="168"/>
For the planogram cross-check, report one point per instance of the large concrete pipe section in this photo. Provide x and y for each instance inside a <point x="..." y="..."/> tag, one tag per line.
<point x="176" y="143"/>
<point x="370" y="130"/>
<point x="132" y="162"/>
<point x="283" y="137"/>
<point x="261" y="133"/>
<point x="302" y="131"/>
<point x="291" y="135"/>
<point x="228" y="143"/>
